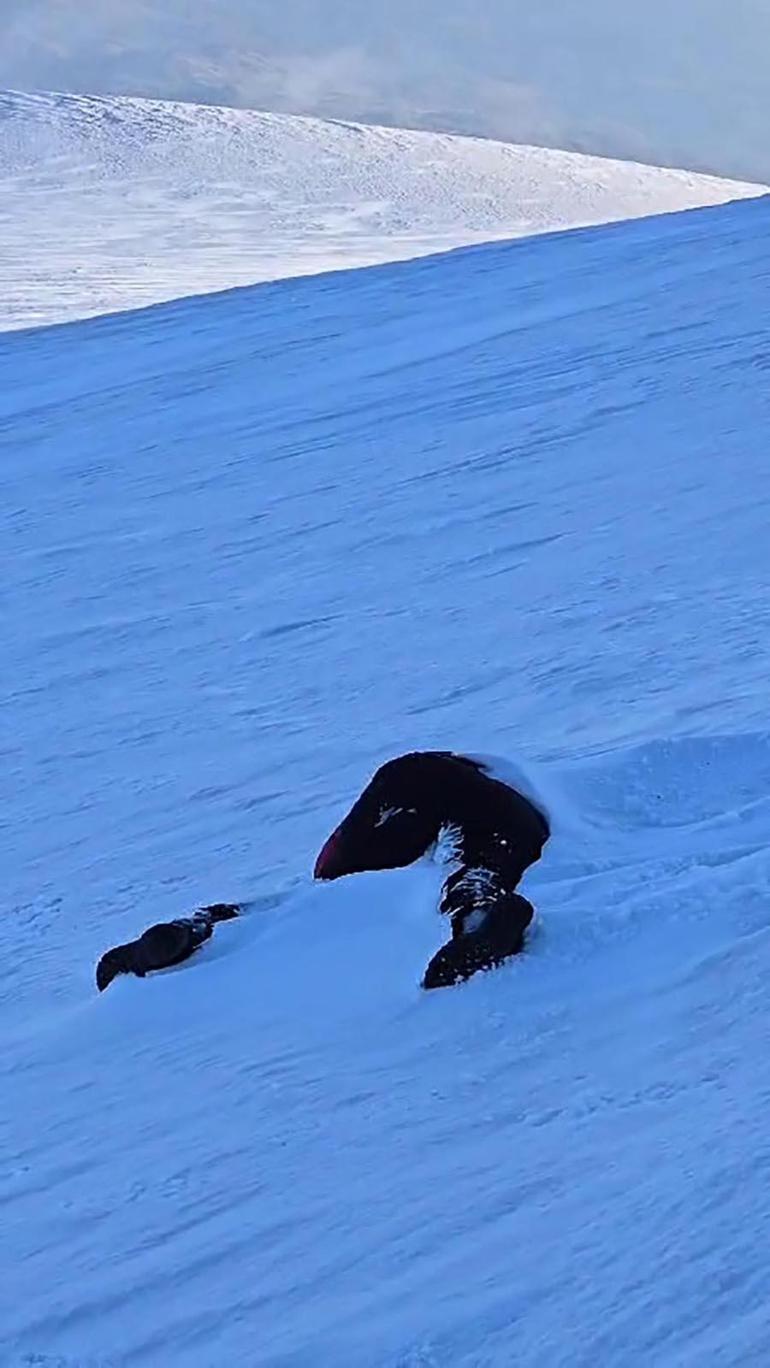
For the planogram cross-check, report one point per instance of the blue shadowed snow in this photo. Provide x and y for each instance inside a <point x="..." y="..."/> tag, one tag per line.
<point x="513" y="500"/>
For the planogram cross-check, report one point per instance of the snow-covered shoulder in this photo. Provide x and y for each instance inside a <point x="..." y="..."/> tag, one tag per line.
<point x="115" y="203"/>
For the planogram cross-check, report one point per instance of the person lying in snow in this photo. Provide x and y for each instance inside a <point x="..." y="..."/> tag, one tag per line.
<point x="163" y="945"/>
<point x="496" y="834"/>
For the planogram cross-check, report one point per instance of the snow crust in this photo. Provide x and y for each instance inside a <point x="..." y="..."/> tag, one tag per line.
<point x="113" y="203"/>
<point x="511" y="501"/>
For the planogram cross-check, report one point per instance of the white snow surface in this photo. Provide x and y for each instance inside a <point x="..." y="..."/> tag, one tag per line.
<point x="511" y="501"/>
<point x="113" y="203"/>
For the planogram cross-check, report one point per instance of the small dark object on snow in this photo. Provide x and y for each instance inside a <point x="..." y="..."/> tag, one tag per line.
<point x="163" y="945"/>
<point x="497" y="834"/>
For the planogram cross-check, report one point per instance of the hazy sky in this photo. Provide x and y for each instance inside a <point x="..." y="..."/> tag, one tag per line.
<point x="683" y="81"/>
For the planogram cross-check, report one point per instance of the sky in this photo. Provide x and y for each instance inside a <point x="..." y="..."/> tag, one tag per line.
<point x="684" y="83"/>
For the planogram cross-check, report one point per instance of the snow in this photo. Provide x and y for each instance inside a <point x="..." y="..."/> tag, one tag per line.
<point x="512" y="501"/>
<point x="109" y="204"/>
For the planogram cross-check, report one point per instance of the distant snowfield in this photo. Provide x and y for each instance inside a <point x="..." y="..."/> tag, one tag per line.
<point x="512" y="500"/>
<point x="109" y="204"/>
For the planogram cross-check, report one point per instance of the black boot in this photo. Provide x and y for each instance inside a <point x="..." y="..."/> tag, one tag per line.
<point x="500" y="935"/>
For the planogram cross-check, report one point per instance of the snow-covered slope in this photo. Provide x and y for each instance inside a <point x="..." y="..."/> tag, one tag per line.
<point x="109" y="204"/>
<point x="514" y="500"/>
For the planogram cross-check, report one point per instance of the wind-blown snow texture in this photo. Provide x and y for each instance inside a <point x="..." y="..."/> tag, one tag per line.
<point x="110" y="204"/>
<point x="514" y="500"/>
